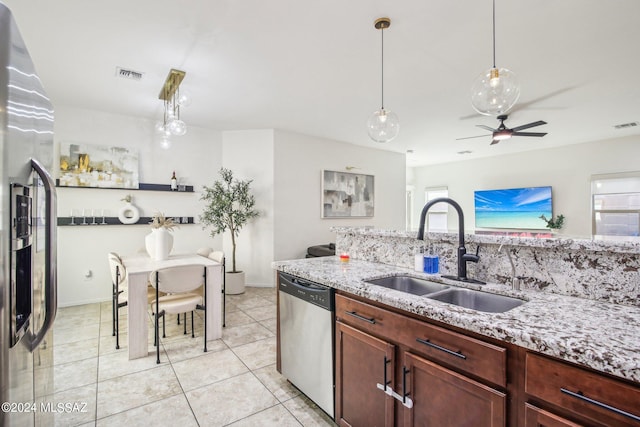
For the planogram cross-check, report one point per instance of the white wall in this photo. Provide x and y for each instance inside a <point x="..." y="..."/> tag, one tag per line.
<point x="249" y="154"/>
<point x="567" y="169"/>
<point x="299" y="161"/>
<point x="196" y="158"/>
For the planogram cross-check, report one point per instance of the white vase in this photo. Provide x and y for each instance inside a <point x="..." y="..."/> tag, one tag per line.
<point x="128" y="214"/>
<point x="159" y="243"/>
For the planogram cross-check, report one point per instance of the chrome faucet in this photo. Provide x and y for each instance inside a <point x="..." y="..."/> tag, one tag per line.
<point x="515" y="280"/>
<point x="463" y="256"/>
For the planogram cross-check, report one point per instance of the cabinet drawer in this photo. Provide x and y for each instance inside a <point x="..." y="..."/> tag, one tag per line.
<point x="468" y="354"/>
<point x="536" y="417"/>
<point x="583" y="392"/>
<point x="459" y="351"/>
<point x="368" y="318"/>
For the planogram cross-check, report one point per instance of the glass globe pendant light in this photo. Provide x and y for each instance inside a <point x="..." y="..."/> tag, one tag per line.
<point x="495" y="91"/>
<point x="170" y="94"/>
<point x="383" y="125"/>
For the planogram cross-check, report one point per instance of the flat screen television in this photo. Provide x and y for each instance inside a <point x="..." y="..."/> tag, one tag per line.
<point x="514" y="208"/>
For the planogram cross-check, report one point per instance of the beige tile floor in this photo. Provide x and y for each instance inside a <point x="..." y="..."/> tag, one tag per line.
<point x="235" y="383"/>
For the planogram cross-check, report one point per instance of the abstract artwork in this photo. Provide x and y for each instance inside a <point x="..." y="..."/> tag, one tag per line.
<point x="83" y="165"/>
<point x="518" y="208"/>
<point x="347" y="195"/>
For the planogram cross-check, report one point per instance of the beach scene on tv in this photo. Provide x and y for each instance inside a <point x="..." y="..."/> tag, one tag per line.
<point x="514" y="208"/>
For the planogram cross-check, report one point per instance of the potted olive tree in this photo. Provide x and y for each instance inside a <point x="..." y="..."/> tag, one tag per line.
<point x="229" y="206"/>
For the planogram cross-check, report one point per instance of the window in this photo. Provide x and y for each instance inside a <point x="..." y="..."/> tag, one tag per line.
<point x="437" y="216"/>
<point x="616" y="204"/>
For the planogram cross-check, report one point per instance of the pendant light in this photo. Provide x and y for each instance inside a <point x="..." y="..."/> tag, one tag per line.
<point x="495" y="91"/>
<point x="171" y="124"/>
<point x="383" y="125"/>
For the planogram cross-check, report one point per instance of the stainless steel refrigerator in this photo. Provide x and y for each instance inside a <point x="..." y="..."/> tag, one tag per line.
<point x="28" y="301"/>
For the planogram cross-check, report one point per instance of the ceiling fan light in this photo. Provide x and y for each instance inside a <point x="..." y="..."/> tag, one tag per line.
<point x="502" y="135"/>
<point x="495" y="92"/>
<point x="383" y="126"/>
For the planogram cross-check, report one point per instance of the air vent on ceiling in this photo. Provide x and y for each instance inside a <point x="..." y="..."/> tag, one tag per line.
<point x="626" y="125"/>
<point x="129" y="74"/>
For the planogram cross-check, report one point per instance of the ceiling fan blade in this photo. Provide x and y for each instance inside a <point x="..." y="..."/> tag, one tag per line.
<point x="529" y="125"/>
<point x="495" y="141"/>
<point x="486" y="128"/>
<point x="529" y="134"/>
<point x="470" y="137"/>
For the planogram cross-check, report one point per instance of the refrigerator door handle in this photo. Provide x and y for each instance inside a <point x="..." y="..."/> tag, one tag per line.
<point x="51" y="277"/>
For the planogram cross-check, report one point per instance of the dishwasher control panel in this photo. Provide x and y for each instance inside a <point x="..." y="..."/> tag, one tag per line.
<point x="306" y="290"/>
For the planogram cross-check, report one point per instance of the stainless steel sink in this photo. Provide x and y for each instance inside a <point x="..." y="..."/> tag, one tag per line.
<point x="476" y="300"/>
<point x="409" y="284"/>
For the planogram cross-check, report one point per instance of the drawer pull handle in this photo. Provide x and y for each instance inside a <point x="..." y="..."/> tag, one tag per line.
<point x="437" y="347"/>
<point x="357" y="316"/>
<point x="580" y="396"/>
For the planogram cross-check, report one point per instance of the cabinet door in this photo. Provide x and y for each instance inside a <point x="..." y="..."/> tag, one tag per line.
<point x="442" y="397"/>
<point x="361" y="363"/>
<point x="536" y="417"/>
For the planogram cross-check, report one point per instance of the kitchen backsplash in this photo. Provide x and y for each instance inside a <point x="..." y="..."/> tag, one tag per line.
<point x="600" y="270"/>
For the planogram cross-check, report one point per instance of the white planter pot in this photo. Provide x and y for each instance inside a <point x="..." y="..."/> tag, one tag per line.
<point x="159" y="243"/>
<point x="234" y="283"/>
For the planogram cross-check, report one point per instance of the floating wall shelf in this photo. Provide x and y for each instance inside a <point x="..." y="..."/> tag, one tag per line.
<point x="141" y="187"/>
<point x="80" y="221"/>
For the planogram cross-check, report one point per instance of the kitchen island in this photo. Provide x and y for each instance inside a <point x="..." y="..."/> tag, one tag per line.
<point x="553" y="360"/>
<point x="598" y="335"/>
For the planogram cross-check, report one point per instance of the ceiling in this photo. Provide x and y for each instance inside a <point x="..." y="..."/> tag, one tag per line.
<point x="313" y="67"/>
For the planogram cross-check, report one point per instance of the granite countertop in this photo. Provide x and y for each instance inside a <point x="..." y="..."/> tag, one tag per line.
<point x="602" y="336"/>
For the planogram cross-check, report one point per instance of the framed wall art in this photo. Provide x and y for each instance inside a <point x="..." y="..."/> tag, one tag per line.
<point x="84" y="165"/>
<point x="347" y="195"/>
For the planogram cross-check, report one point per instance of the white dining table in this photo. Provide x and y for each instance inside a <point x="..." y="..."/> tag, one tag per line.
<point x="138" y="268"/>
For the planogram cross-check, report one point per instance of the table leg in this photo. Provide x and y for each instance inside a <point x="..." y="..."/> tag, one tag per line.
<point x="138" y="331"/>
<point x="214" y="302"/>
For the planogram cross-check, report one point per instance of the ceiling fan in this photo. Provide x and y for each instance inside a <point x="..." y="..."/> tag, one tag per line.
<point x="503" y="132"/>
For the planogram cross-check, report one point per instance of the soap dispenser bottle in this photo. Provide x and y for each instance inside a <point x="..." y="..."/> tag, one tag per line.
<point x="419" y="259"/>
<point x="431" y="261"/>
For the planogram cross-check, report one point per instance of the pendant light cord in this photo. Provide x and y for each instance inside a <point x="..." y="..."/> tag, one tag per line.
<point x="382" y="67"/>
<point x="494" y="33"/>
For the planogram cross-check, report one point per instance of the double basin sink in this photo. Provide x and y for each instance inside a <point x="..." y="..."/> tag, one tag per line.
<point x="467" y="298"/>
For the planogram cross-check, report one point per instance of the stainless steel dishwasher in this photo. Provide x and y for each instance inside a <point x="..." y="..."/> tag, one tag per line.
<point x="306" y="338"/>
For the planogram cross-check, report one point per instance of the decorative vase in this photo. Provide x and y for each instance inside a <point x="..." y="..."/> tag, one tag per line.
<point x="159" y="243"/>
<point x="128" y="214"/>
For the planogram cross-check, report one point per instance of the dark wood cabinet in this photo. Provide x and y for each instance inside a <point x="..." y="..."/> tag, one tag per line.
<point x="454" y="378"/>
<point x="424" y="389"/>
<point x="581" y="394"/>
<point x="363" y="362"/>
<point x="442" y="397"/>
<point x="536" y="417"/>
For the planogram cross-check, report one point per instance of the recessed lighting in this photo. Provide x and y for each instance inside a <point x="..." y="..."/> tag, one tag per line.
<point x="465" y="152"/>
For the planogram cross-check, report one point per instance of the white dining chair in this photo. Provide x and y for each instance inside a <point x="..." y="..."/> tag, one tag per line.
<point x="204" y="251"/>
<point x="120" y="294"/>
<point x="181" y="284"/>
